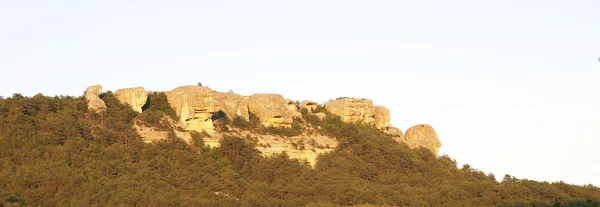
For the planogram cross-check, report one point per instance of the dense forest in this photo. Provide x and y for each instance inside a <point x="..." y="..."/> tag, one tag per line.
<point x="55" y="152"/>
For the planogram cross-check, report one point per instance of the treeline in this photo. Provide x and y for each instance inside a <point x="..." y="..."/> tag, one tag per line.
<point x="55" y="152"/>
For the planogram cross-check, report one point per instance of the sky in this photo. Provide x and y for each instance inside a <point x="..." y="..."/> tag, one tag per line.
<point x="511" y="87"/>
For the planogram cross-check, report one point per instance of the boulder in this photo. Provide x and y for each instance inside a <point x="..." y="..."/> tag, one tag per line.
<point x="195" y="107"/>
<point x="232" y="105"/>
<point x="382" y="117"/>
<point x="396" y="134"/>
<point x="291" y="105"/>
<point x="393" y="131"/>
<point x="353" y="110"/>
<point x="271" y="109"/>
<point x="422" y="135"/>
<point x="92" y="97"/>
<point x="134" y="97"/>
<point x="309" y="105"/>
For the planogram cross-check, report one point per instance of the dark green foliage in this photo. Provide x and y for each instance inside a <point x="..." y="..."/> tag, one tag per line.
<point x="241" y="123"/>
<point x="155" y="110"/>
<point x="55" y="152"/>
<point x="320" y="109"/>
<point x="221" y="121"/>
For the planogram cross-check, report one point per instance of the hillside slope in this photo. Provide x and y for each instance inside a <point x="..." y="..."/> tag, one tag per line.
<point x="54" y="151"/>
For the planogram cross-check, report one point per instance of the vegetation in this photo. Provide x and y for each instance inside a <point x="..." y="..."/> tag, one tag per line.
<point x="155" y="110"/>
<point x="55" y="152"/>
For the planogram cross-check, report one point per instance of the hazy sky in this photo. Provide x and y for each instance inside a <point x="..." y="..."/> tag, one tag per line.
<point x="510" y="86"/>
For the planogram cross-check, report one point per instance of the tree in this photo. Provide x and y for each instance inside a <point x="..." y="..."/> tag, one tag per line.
<point x="199" y="84"/>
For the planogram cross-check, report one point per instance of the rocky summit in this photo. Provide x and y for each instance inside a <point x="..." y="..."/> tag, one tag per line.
<point x="134" y="97"/>
<point x="199" y="108"/>
<point x="422" y="135"/>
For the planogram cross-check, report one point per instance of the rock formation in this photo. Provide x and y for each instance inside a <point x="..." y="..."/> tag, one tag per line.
<point x="271" y="109"/>
<point x="395" y="132"/>
<point x="232" y="105"/>
<point x="291" y="105"/>
<point x="92" y="96"/>
<point x="309" y="105"/>
<point x="360" y="110"/>
<point x="195" y="107"/>
<point x="134" y="97"/>
<point x="422" y="135"/>
<point x="352" y="110"/>
<point x="382" y="117"/>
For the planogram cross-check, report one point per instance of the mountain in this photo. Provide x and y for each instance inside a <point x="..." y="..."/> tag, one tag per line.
<point x="193" y="146"/>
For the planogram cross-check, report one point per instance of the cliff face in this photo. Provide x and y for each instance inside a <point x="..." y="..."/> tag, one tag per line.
<point x="422" y="135"/>
<point x="92" y="96"/>
<point x="134" y="97"/>
<point x="197" y="107"/>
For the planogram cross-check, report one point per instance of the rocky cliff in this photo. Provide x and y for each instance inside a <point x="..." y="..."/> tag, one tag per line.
<point x="134" y="97"/>
<point x="198" y="108"/>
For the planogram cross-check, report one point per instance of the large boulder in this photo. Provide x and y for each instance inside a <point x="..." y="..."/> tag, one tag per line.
<point x="134" y="97"/>
<point x="353" y="110"/>
<point x="309" y="105"/>
<point x="232" y="104"/>
<point x="396" y="134"/>
<point x="422" y="135"/>
<point x="291" y="105"/>
<point x="271" y="110"/>
<point x="92" y="97"/>
<point x="382" y="117"/>
<point x="195" y="107"/>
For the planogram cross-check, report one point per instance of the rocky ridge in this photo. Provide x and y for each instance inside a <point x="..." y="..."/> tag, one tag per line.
<point x="198" y="107"/>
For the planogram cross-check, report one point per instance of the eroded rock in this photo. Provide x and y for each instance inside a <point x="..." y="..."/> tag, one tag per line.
<point x="353" y="110"/>
<point x="395" y="132"/>
<point x="382" y="117"/>
<point x="232" y="104"/>
<point x="92" y="96"/>
<point x="195" y="107"/>
<point x="291" y="105"/>
<point x="134" y="97"/>
<point x="271" y="109"/>
<point x="422" y="135"/>
<point x="309" y="105"/>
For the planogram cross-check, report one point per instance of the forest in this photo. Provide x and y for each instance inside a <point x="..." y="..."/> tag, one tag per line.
<point x="56" y="152"/>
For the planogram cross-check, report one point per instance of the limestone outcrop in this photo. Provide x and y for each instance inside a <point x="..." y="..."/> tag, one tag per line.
<point x="353" y="110"/>
<point x="395" y="132"/>
<point x="291" y="105"/>
<point x="134" y="97"/>
<point x="360" y="110"/>
<point x="271" y="109"/>
<point x="382" y="117"/>
<point x="422" y="135"/>
<point x="232" y="105"/>
<point x="195" y="107"/>
<point x="92" y="96"/>
<point x="309" y="105"/>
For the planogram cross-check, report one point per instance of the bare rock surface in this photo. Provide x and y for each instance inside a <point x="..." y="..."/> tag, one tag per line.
<point x="422" y="135"/>
<point x="382" y="117"/>
<point x="353" y="110"/>
<point x="309" y="105"/>
<point x="195" y="107"/>
<point x="232" y="104"/>
<point x="92" y="96"/>
<point x="134" y="97"/>
<point x="271" y="109"/>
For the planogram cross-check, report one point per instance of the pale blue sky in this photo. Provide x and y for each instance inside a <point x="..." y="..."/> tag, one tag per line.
<point x="510" y="86"/>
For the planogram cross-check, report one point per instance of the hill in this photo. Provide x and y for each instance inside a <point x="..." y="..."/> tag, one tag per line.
<point x="59" y="151"/>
